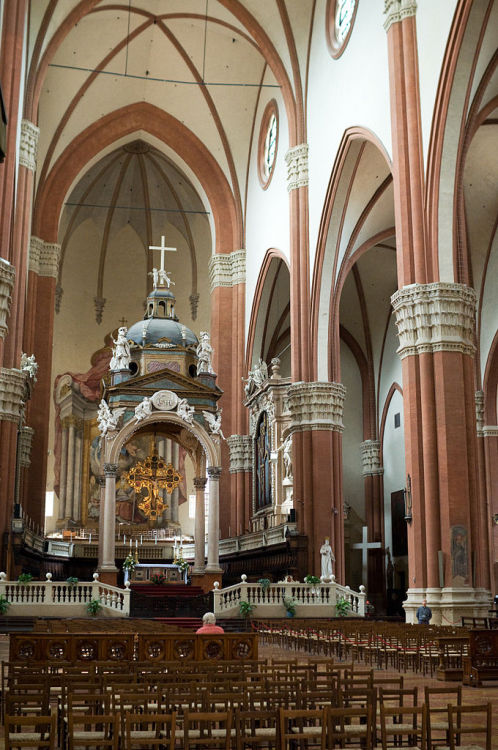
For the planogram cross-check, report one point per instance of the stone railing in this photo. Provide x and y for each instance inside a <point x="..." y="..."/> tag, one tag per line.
<point x="310" y="600"/>
<point x="62" y="599"/>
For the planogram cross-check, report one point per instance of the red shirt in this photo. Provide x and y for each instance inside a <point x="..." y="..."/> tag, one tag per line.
<point x="210" y="629"/>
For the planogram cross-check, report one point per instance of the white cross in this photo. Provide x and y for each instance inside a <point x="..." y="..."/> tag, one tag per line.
<point x="365" y="546"/>
<point x="162" y="247"/>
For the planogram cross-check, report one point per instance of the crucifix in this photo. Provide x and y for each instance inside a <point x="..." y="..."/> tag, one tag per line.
<point x="365" y="546"/>
<point x="161" y="275"/>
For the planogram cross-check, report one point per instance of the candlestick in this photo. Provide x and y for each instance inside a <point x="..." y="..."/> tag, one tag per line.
<point x="136" y="543"/>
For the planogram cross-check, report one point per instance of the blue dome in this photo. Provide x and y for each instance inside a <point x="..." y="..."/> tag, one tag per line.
<point x="161" y="328"/>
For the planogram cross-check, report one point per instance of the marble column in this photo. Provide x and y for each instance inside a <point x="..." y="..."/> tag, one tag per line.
<point x="107" y="563"/>
<point x="101" y="482"/>
<point x="78" y="449"/>
<point x="174" y="495"/>
<point x="213" y="563"/>
<point x="63" y="471"/>
<point x="70" y="470"/>
<point x="200" y="524"/>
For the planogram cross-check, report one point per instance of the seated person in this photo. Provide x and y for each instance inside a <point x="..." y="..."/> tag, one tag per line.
<point x="209" y="624"/>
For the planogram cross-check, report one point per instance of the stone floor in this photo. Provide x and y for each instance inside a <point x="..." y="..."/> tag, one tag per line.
<point x="473" y="696"/>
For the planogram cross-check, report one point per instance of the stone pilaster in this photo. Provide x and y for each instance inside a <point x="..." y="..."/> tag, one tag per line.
<point x="7" y="276"/>
<point x="28" y="145"/>
<point x="396" y="10"/>
<point x="12" y="385"/>
<point x="370" y="458"/>
<point x="316" y="406"/>
<point x="240" y="447"/>
<point x="227" y="269"/>
<point x="297" y="167"/>
<point x="435" y="317"/>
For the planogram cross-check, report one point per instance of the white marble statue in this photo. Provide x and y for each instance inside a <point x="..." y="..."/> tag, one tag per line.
<point x="121" y="354"/>
<point x="257" y="375"/>
<point x="185" y="411"/>
<point x="204" y="353"/>
<point x="155" y="277"/>
<point x="107" y="421"/>
<point x="164" y="278"/>
<point x="143" y="409"/>
<point x="327" y="559"/>
<point x="214" y="422"/>
<point x="29" y="365"/>
<point x="287" y="457"/>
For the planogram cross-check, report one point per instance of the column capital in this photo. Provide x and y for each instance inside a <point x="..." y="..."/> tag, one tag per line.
<point x="227" y="269"/>
<point x="7" y="276"/>
<point x="435" y="317"/>
<point x="214" y="473"/>
<point x="44" y="257"/>
<point x="240" y="447"/>
<point x="25" y="440"/>
<point x="111" y="470"/>
<point x="370" y="457"/>
<point x="396" y="10"/>
<point x="28" y="145"/>
<point x="316" y="406"/>
<point x="296" y="159"/>
<point x="200" y="483"/>
<point x="12" y="386"/>
<point x="100" y="479"/>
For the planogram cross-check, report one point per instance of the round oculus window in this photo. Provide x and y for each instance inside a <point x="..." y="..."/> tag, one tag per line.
<point x="340" y="20"/>
<point x="268" y="143"/>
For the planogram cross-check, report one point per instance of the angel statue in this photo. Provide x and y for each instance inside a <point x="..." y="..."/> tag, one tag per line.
<point x="155" y="277"/>
<point x="214" y="422"/>
<point x="29" y="365"/>
<point x="107" y="421"/>
<point x="185" y="411"/>
<point x="143" y="409"/>
<point x="121" y="354"/>
<point x="204" y="352"/>
<point x="164" y="278"/>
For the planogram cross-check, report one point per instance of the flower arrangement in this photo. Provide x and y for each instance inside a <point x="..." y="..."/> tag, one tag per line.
<point x="290" y="606"/>
<point x="4" y="604"/>
<point x="129" y="563"/>
<point x="264" y="583"/>
<point x="93" y="607"/>
<point x="181" y="563"/>
<point x="342" y="607"/>
<point x="312" y="579"/>
<point x="158" y="578"/>
<point x="25" y="578"/>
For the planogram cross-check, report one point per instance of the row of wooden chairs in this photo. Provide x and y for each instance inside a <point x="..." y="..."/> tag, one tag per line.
<point x="400" y="727"/>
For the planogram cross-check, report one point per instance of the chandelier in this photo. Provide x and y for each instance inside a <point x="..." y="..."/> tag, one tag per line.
<point x="153" y="474"/>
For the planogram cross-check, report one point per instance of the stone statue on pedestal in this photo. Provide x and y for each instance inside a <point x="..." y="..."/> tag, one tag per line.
<point x="121" y="354"/>
<point x="327" y="559"/>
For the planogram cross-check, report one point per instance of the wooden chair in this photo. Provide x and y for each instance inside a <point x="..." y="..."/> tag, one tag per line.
<point x="403" y="726"/>
<point x="92" y="730"/>
<point x="149" y="730"/>
<point x="30" y="731"/>
<point x="306" y="728"/>
<point x="437" y="715"/>
<point x="470" y="720"/>
<point x="256" y="728"/>
<point x="207" y="729"/>
<point x="350" y="726"/>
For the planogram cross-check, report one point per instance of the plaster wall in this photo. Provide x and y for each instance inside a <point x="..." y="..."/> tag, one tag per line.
<point x="489" y="313"/>
<point x="393" y="461"/>
<point x="353" y="484"/>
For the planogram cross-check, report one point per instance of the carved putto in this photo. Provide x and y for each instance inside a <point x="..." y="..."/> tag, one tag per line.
<point x="107" y="421"/>
<point x="144" y="409"/>
<point x="214" y="422"/>
<point x="29" y="366"/>
<point x="185" y="411"/>
<point x="204" y="353"/>
<point x="121" y="353"/>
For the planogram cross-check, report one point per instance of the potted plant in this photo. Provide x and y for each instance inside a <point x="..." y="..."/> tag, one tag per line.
<point x="264" y="583"/>
<point x="72" y="581"/>
<point x="245" y="608"/>
<point x="93" y="607"/>
<point x="4" y="604"/>
<point x="290" y="606"/>
<point x="342" y="607"/>
<point x="25" y="578"/>
<point x="312" y="579"/>
<point x="158" y="579"/>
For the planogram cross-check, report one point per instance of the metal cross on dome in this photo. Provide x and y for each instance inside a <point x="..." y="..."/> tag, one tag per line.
<point x="161" y="275"/>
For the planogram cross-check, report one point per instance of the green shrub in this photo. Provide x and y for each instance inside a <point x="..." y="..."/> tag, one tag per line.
<point x="93" y="607"/>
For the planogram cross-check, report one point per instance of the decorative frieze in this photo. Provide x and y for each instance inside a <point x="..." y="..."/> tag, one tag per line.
<point x="370" y="458"/>
<point x="297" y="167"/>
<point x="12" y="388"/>
<point x="240" y="453"/>
<point x="479" y="396"/>
<point x="397" y="10"/>
<point x="227" y="269"/>
<point x="25" y="441"/>
<point x="435" y="317"/>
<point x="316" y="406"/>
<point x="28" y="145"/>
<point x="490" y="430"/>
<point x="7" y="276"/>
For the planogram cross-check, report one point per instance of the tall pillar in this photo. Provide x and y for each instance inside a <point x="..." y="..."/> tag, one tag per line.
<point x="107" y="563"/>
<point x="316" y="422"/>
<point x="175" y="452"/>
<point x="78" y="457"/>
<point x="63" y="470"/>
<point x="240" y="447"/>
<point x="200" y="524"/>
<point x="227" y="273"/>
<point x="372" y="472"/>
<point x="70" y="468"/>
<point x="213" y="562"/>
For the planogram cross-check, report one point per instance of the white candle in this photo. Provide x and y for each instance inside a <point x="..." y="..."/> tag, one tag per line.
<point x="136" y="543"/>
<point x="124" y="538"/>
<point x="90" y="537"/>
<point x="131" y="541"/>
<point x="140" y="539"/>
<point x="155" y="538"/>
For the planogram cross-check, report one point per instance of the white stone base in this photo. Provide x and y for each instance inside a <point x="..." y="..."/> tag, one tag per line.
<point x="448" y="605"/>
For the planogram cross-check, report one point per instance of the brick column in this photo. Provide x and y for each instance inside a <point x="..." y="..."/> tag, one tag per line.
<point x="227" y="272"/>
<point x="372" y="472"/>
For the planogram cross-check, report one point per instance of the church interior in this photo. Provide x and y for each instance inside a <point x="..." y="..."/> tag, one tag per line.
<point x="248" y="328"/>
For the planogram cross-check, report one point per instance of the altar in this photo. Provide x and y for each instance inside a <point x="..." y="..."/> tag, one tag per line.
<point x="143" y="572"/>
